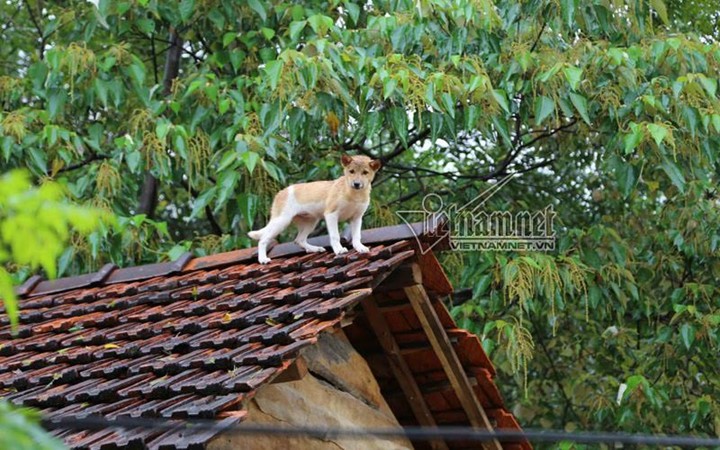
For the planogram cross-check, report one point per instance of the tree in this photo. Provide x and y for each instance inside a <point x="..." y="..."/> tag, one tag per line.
<point x="184" y="118"/>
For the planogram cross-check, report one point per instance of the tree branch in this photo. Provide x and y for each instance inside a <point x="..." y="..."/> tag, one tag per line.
<point x="35" y="22"/>
<point x="83" y="163"/>
<point x="537" y="39"/>
<point x="12" y="18"/>
<point x="148" y="194"/>
<point x="217" y="230"/>
<point x="399" y="148"/>
<point x="548" y="134"/>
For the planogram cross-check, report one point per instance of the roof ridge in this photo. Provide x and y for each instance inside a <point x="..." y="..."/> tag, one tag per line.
<point x="429" y="229"/>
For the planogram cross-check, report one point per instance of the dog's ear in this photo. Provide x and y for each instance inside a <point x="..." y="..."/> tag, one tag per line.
<point x="375" y="164"/>
<point x="346" y="160"/>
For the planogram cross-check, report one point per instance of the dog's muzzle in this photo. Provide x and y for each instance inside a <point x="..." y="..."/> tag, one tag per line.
<point x="357" y="185"/>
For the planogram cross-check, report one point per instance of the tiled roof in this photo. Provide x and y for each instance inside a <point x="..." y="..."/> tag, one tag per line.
<point x="196" y="337"/>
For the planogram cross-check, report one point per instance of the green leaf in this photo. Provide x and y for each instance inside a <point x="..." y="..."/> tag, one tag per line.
<point x="137" y="73"/>
<point x="568" y="11"/>
<point x="658" y="132"/>
<point x="145" y="25"/>
<point x="448" y="104"/>
<point x="8" y="298"/>
<point x="56" y="103"/>
<point x="716" y="122"/>
<point x="573" y="76"/>
<point x="389" y="85"/>
<point x="187" y="7"/>
<point x="162" y="128"/>
<point x="634" y="382"/>
<point x="544" y="106"/>
<point x="268" y="33"/>
<point x="223" y="105"/>
<point x="271" y="115"/>
<point x="38" y="158"/>
<point x="626" y="176"/>
<point x="634" y="138"/>
<point x="296" y="28"/>
<point x="101" y="90"/>
<point x="226" y="186"/>
<point x="248" y="203"/>
<point x="659" y="7"/>
<point x="709" y="84"/>
<point x="320" y="24"/>
<point x="501" y="98"/>
<point x="202" y="201"/>
<point x="399" y="123"/>
<point x="236" y="58"/>
<point x="228" y="38"/>
<point x="176" y="252"/>
<point x="251" y="159"/>
<point x="676" y="176"/>
<point x="274" y="70"/>
<point x="353" y="11"/>
<point x="580" y="104"/>
<point x="687" y="333"/>
<point x="228" y="158"/>
<point x="258" y="7"/>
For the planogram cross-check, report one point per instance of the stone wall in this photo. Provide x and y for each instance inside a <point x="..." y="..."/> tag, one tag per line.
<point x="339" y="391"/>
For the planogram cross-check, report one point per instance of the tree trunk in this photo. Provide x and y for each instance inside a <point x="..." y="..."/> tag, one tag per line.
<point x="149" y="193"/>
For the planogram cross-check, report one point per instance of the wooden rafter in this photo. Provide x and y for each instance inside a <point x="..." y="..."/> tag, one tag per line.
<point x="450" y="362"/>
<point x="400" y="369"/>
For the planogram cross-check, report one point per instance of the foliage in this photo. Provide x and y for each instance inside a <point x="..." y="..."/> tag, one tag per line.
<point x="699" y="16"/>
<point x="36" y="224"/>
<point x="35" y="228"/>
<point x="184" y="118"/>
<point x="19" y="430"/>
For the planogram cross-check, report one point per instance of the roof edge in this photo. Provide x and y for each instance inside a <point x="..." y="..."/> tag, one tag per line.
<point x="429" y="234"/>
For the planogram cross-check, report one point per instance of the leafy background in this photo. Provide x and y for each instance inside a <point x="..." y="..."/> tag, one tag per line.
<point x="182" y="118"/>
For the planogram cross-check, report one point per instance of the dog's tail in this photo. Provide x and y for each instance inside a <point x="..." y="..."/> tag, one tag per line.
<point x="256" y="234"/>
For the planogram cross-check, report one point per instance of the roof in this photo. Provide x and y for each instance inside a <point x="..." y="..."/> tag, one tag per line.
<point x="195" y="338"/>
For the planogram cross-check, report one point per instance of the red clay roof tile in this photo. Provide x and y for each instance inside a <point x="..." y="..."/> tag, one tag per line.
<point x="194" y="338"/>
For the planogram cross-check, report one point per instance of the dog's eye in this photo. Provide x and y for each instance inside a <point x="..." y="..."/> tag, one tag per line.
<point x="352" y="170"/>
<point x="365" y="172"/>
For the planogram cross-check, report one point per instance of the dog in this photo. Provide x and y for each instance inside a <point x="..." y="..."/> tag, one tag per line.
<point x="304" y="204"/>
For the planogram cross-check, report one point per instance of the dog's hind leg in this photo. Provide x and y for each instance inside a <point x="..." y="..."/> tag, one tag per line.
<point x="305" y="227"/>
<point x="270" y="232"/>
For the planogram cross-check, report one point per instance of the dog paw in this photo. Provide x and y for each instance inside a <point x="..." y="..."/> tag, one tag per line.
<point x="263" y="260"/>
<point x="361" y="248"/>
<point x="340" y="250"/>
<point x="314" y="249"/>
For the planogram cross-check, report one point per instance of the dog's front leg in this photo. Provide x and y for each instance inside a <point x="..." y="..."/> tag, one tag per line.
<point x="356" y="230"/>
<point x="331" y="220"/>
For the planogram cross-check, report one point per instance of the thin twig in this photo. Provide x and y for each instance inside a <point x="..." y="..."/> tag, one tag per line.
<point x="37" y="27"/>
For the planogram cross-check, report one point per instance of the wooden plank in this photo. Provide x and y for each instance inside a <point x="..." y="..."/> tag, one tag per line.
<point x="448" y="358"/>
<point x="400" y="369"/>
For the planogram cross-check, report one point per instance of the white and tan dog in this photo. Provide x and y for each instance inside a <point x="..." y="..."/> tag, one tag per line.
<point x="304" y="204"/>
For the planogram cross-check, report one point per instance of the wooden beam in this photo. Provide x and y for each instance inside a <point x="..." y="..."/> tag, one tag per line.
<point x="451" y="363"/>
<point x="400" y="369"/>
<point x="295" y="372"/>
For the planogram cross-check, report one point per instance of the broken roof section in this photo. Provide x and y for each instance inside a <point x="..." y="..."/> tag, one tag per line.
<point x="195" y="338"/>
